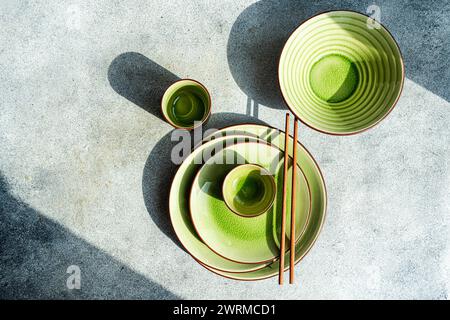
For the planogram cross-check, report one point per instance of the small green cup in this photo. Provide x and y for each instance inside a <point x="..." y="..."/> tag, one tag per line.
<point x="249" y="190"/>
<point x="186" y="104"/>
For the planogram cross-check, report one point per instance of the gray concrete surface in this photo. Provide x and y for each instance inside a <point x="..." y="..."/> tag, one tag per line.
<point x="83" y="150"/>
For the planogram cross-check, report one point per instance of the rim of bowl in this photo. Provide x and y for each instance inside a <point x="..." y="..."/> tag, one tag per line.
<point x="205" y="118"/>
<point x="272" y="181"/>
<point x="360" y="130"/>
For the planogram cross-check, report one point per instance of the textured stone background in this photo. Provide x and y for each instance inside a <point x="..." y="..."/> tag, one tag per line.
<point x="84" y="166"/>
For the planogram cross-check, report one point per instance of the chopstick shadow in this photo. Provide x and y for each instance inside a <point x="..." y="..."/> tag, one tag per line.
<point x="140" y="80"/>
<point x="159" y="171"/>
<point x="35" y="253"/>
<point x="257" y="37"/>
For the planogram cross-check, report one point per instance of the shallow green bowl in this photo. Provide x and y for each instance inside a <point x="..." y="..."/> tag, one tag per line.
<point x="339" y="74"/>
<point x="249" y="190"/>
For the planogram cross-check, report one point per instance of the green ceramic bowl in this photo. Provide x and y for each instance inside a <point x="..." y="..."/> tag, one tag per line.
<point x="340" y="76"/>
<point x="249" y="190"/>
<point x="186" y="104"/>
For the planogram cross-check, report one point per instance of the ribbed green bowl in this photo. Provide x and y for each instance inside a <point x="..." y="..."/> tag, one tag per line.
<point x="339" y="74"/>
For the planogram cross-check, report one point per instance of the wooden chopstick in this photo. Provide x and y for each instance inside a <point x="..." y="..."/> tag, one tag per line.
<point x="293" y="202"/>
<point x="283" y="213"/>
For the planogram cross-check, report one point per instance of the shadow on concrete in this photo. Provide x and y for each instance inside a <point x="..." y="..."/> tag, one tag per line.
<point x="159" y="171"/>
<point x="259" y="33"/>
<point x="140" y="80"/>
<point x="35" y="253"/>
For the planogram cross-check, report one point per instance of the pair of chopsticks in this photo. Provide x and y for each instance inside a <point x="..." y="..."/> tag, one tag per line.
<point x="293" y="202"/>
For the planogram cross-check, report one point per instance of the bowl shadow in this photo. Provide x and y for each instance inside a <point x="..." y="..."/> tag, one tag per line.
<point x="140" y="80"/>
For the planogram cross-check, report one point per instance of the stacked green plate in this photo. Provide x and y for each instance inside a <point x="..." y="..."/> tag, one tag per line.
<point x="340" y="72"/>
<point x="243" y="248"/>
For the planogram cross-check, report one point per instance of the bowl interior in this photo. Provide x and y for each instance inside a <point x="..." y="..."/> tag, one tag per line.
<point x="186" y="102"/>
<point x="340" y="73"/>
<point x="249" y="190"/>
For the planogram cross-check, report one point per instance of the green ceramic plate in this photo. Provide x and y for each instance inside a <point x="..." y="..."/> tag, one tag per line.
<point x="238" y="238"/>
<point x="318" y="198"/>
<point x="339" y="74"/>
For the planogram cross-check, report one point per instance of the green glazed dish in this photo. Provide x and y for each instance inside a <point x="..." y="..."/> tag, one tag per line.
<point x="249" y="190"/>
<point x="339" y="74"/>
<point x="186" y="104"/>
<point x="182" y="224"/>
<point x="235" y="237"/>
